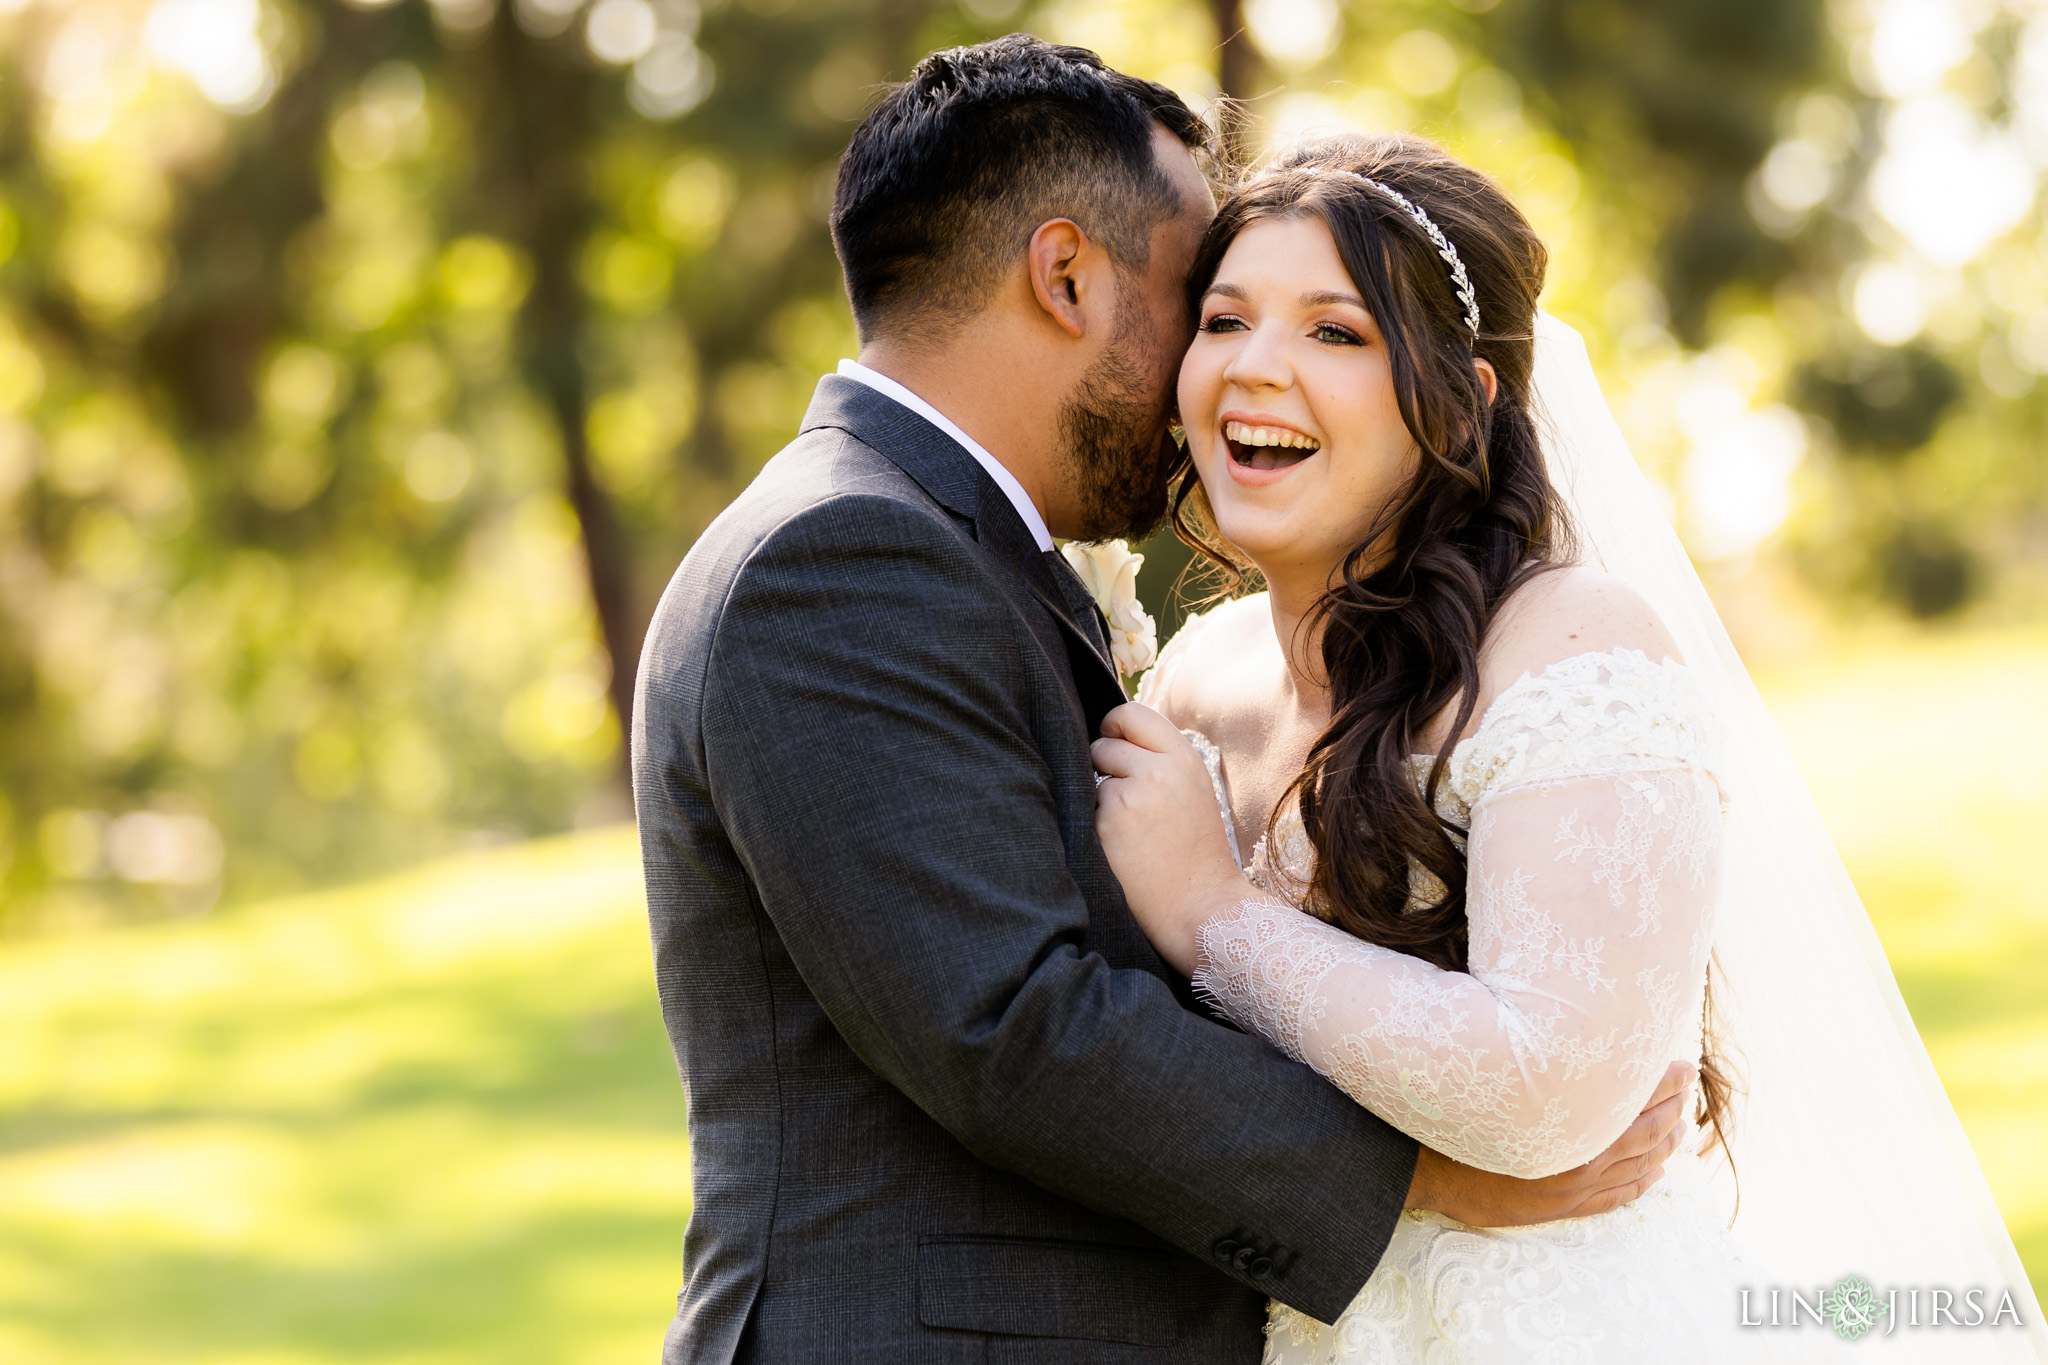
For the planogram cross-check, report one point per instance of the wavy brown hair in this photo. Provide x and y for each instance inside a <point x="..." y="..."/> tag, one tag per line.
<point x="1408" y="609"/>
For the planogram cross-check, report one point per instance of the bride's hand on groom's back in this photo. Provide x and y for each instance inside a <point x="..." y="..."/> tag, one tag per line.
<point x="1625" y="1170"/>
<point x="1159" y="822"/>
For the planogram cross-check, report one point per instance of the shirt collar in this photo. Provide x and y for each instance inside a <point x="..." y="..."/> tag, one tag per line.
<point x="1004" y="479"/>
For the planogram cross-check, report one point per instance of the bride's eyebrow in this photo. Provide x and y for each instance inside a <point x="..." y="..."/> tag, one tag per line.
<point x="1316" y="298"/>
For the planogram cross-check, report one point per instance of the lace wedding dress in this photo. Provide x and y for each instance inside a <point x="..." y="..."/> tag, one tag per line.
<point x="1593" y="818"/>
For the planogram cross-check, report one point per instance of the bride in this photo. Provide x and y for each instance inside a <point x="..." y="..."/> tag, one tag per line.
<point x="1516" y="837"/>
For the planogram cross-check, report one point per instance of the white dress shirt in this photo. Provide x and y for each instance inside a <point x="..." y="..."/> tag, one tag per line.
<point x="1005" y="480"/>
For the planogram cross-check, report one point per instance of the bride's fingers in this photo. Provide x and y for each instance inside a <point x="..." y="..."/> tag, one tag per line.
<point x="1117" y="757"/>
<point x="1142" y="726"/>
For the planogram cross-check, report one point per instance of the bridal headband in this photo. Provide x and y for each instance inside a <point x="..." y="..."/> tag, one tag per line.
<point x="1459" y="279"/>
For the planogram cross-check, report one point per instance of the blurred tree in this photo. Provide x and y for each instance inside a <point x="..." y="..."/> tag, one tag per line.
<point x="447" y="291"/>
<point x="1236" y="70"/>
<point x="365" y="367"/>
<point x="1881" y="402"/>
<point x="1677" y="101"/>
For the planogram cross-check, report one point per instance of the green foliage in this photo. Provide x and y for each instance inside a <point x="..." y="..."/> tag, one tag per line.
<point x="1881" y="402"/>
<point x="353" y="414"/>
<point x="353" y="437"/>
<point x="1927" y="569"/>
<point x="1676" y="102"/>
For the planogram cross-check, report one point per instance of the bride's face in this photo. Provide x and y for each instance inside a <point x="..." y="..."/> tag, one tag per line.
<point x="1288" y="401"/>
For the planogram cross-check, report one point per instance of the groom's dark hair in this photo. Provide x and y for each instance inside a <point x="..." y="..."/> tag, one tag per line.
<point x="944" y="183"/>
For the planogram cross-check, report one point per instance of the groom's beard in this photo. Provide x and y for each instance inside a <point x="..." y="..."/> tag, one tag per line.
<point x="1116" y="445"/>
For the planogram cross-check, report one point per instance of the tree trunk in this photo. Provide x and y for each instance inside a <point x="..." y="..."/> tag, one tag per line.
<point x="1236" y="69"/>
<point x="606" y="557"/>
<point x="541" y="104"/>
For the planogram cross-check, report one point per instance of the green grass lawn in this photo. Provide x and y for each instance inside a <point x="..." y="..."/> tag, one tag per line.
<point x="1930" y="761"/>
<point x="434" y="1119"/>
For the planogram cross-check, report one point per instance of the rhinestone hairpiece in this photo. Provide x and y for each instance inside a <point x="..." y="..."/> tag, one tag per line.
<point x="1459" y="279"/>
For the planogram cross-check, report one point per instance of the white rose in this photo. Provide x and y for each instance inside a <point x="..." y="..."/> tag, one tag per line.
<point x="1109" y="571"/>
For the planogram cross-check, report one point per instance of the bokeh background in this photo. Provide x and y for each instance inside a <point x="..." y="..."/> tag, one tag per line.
<point x="365" y="369"/>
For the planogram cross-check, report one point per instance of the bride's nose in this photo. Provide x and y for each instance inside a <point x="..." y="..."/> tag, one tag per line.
<point x="1261" y="362"/>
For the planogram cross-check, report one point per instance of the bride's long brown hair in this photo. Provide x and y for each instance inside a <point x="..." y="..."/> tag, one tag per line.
<point x="1409" y="607"/>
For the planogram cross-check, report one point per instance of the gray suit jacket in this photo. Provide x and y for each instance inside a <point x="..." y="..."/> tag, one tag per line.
<point x="946" y="1103"/>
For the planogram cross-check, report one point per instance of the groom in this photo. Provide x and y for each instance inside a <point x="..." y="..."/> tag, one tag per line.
<point x="946" y="1104"/>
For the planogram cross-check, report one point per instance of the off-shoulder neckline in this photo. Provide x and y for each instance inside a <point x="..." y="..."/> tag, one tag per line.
<point x="1454" y="761"/>
<point x="1525" y="683"/>
<point x="1529" y="682"/>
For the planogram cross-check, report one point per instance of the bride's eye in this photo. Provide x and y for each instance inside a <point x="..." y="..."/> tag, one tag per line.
<point x="1223" y="322"/>
<point x="1334" y="334"/>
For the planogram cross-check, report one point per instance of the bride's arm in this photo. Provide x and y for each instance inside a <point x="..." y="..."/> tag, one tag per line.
<point x="1589" y="902"/>
<point x="1589" y="897"/>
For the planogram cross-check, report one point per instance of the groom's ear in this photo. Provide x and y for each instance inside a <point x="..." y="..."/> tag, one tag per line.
<point x="1062" y="262"/>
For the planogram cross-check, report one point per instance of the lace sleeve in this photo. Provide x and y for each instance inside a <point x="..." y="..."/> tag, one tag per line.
<point x="1591" y="884"/>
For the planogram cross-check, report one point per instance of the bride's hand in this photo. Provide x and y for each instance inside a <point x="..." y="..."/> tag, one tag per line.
<point x="1157" y="816"/>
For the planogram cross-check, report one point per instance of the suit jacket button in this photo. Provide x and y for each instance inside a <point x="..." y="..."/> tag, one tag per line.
<point x="1225" y="1249"/>
<point x="1262" y="1267"/>
<point x="1243" y="1260"/>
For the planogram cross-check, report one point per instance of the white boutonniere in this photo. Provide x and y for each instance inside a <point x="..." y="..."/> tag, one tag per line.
<point x="1110" y="572"/>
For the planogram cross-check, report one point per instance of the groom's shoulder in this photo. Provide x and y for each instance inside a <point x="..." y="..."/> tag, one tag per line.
<point x="829" y="507"/>
<point x="826" y="483"/>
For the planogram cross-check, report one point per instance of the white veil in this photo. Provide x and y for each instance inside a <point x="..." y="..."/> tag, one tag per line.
<point x="1849" y="1155"/>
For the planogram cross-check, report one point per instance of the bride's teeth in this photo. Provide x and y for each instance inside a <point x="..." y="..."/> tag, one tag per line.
<point x="1247" y="435"/>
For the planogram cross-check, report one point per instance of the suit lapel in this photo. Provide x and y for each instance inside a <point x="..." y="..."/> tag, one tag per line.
<point x="1000" y="529"/>
<point x="956" y="482"/>
<point x="1080" y="602"/>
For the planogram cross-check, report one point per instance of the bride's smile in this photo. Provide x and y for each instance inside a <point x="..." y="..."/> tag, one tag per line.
<point x="1262" y="445"/>
<point x="1288" y="399"/>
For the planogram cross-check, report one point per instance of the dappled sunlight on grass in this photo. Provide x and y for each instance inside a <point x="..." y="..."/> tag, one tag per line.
<point x="1930" y="761"/>
<point x="430" y="1119"/>
<point x="434" y="1119"/>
